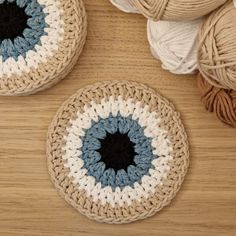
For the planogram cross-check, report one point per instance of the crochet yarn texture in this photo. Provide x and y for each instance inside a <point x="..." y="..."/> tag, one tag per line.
<point x="40" y="41"/>
<point x="169" y="10"/>
<point x="117" y="151"/>
<point x="222" y="102"/>
<point x="217" y="47"/>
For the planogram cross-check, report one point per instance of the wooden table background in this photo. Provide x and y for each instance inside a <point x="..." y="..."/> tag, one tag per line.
<point x="116" y="48"/>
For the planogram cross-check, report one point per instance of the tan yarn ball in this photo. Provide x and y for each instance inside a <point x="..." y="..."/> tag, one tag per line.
<point x="217" y="47"/>
<point x="220" y="101"/>
<point x="176" y="10"/>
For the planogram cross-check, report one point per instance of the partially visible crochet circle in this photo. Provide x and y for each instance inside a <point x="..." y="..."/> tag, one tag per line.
<point x="40" y="41"/>
<point x="117" y="151"/>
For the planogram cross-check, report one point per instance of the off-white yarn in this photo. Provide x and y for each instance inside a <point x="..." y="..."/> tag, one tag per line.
<point x="125" y="5"/>
<point x="174" y="43"/>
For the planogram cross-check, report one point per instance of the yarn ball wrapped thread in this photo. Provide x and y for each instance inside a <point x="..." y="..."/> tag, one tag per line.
<point x="217" y="47"/>
<point x="170" y="10"/>
<point x="125" y="5"/>
<point x="40" y="41"/>
<point x="220" y="101"/>
<point x="117" y="151"/>
<point x="175" y="44"/>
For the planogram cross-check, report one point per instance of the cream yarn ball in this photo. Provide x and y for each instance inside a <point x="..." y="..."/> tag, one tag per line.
<point x="175" y="44"/>
<point x="125" y="6"/>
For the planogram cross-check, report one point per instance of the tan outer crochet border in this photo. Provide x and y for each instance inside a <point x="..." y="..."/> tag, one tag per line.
<point x="78" y="199"/>
<point x="50" y="73"/>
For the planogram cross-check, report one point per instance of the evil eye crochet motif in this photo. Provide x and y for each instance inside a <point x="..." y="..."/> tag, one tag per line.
<point x="25" y="27"/>
<point x="124" y="170"/>
<point x="39" y="43"/>
<point x="117" y="151"/>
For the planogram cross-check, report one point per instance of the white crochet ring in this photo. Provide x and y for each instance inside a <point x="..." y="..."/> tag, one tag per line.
<point x="117" y="151"/>
<point x="148" y="121"/>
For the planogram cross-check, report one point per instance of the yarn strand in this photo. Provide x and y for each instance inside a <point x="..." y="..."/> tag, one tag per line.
<point x="221" y="102"/>
<point x="125" y="6"/>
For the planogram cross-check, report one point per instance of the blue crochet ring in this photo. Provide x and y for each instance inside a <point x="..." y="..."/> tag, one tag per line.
<point x="31" y="35"/>
<point x="92" y="158"/>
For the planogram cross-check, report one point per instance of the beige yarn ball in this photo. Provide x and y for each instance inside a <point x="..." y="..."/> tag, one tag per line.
<point x="217" y="47"/>
<point x="174" y="10"/>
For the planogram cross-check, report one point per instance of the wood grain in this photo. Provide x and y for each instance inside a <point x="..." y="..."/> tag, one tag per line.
<point x="116" y="49"/>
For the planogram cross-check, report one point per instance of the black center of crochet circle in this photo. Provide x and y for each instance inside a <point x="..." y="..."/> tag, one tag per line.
<point x="117" y="151"/>
<point x="13" y="20"/>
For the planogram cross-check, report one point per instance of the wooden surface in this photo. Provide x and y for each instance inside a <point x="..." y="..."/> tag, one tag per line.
<point x="116" y="49"/>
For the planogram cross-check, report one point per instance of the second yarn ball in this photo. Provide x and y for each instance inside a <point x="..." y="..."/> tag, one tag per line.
<point x="173" y="10"/>
<point x="217" y="47"/>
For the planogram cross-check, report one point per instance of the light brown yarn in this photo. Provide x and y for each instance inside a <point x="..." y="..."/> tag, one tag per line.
<point x="60" y="64"/>
<point x="217" y="47"/>
<point x="176" y="10"/>
<point x="220" y="101"/>
<point x="170" y="121"/>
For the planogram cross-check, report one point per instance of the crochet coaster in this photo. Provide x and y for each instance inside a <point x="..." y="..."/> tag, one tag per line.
<point x="40" y="41"/>
<point x="117" y="151"/>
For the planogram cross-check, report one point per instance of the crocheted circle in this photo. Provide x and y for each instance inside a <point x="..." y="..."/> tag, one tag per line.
<point x="117" y="151"/>
<point x="40" y="41"/>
